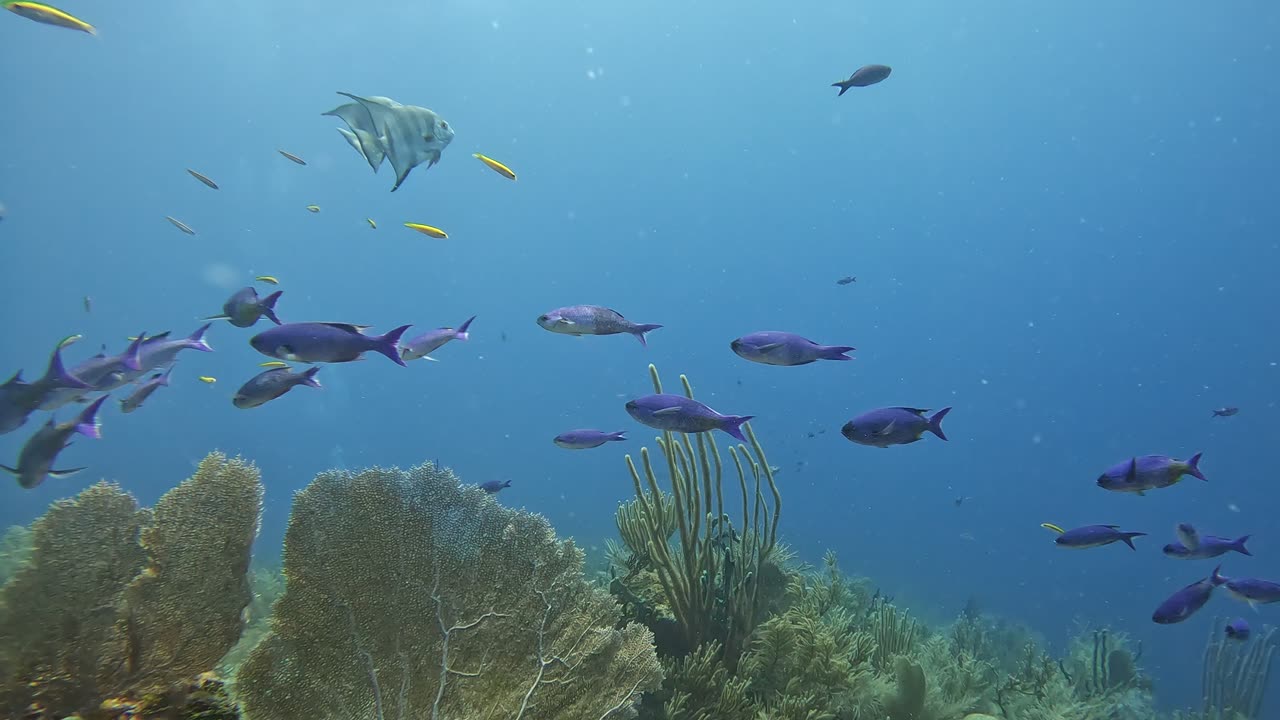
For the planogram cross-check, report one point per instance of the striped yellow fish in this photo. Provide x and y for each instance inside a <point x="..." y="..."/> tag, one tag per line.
<point x="207" y="380"/>
<point x="1051" y="526"/>
<point x="496" y="166"/>
<point x="268" y="279"/>
<point x="273" y="364"/>
<point x="434" y="232"/>
<point x="69" y="340"/>
<point x="372" y="224"/>
<point x="293" y="157"/>
<point x="180" y="225"/>
<point x="313" y="208"/>
<point x="203" y="178"/>
<point x="47" y="14"/>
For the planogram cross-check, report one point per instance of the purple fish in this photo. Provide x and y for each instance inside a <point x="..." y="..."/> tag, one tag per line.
<point x="102" y="373"/>
<point x="139" y="396"/>
<point x="35" y="461"/>
<point x="1250" y="590"/>
<point x="432" y="340"/>
<point x="323" y="342"/>
<point x="1225" y="412"/>
<point x="1092" y="536"/>
<point x="784" y="348"/>
<point x="863" y="76"/>
<point x="1148" y="472"/>
<point x="494" y="486"/>
<point x="587" y="439"/>
<point x="1210" y="546"/>
<point x="18" y="399"/>
<point x="592" y="320"/>
<point x="893" y="426"/>
<point x="271" y="384"/>
<point x="244" y="308"/>
<point x="1184" y="603"/>
<point x="677" y="413"/>
<point x="159" y="351"/>
<point x="1238" y="629"/>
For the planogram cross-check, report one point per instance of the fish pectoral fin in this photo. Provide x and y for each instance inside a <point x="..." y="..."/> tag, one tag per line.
<point x="667" y="411"/>
<point x="769" y="347"/>
<point x="887" y="429"/>
<point x="1142" y="493"/>
<point x="64" y="473"/>
<point x="428" y="357"/>
<point x="565" y="321"/>
<point x="11" y="471"/>
<point x="217" y="317"/>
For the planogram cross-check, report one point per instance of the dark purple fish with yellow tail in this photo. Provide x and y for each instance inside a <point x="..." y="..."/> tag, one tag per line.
<point x="271" y="384"/>
<point x="245" y="308"/>
<point x="1251" y="590"/>
<point x="144" y="391"/>
<point x="1184" y="603"/>
<point x="325" y="342"/>
<point x="1092" y="536"/>
<point x="1225" y="412"/>
<point x="494" y="486"/>
<point x="18" y="398"/>
<point x="587" y="439"/>
<point x="593" y="320"/>
<point x="893" y="426"/>
<point x="1149" y="472"/>
<point x="862" y="77"/>
<point x="773" y="347"/>
<point x="36" y="459"/>
<point x="677" y="413"/>
<point x="432" y="340"/>
<point x="1237" y="629"/>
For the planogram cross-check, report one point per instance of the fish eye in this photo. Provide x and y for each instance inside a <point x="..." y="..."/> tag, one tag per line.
<point x="542" y="318"/>
<point x="444" y="124"/>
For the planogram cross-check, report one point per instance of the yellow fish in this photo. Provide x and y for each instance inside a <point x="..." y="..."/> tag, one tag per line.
<point x="203" y="178"/>
<point x="497" y="167"/>
<point x="69" y="340"/>
<point x="313" y="208"/>
<point x="372" y="224"/>
<point x="1051" y="526"/>
<point x="48" y="15"/>
<point x="180" y="225"/>
<point x="208" y="380"/>
<point x="293" y="157"/>
<point x="434" y="232"/>
<point x="273" y="364"/>
<point x="269" y="279"/>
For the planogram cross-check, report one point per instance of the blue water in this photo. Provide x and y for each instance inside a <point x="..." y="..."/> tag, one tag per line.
<point x="1062" y="221"/>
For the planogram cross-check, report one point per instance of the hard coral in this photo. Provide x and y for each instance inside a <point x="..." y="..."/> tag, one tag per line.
<point x="410" y="596"/>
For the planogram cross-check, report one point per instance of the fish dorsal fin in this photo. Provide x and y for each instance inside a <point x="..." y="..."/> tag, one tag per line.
<point x="1132" y="473"/>
<point x="15" y="380"/>
<point x="349" y="327"/>
<point x="917" y="411"/>
<point x="162" y="336"/>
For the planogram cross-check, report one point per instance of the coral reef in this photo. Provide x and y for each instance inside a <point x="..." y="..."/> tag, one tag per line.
<point x="15" y="548"/>
<point x="1234" y="678"/>
<point x="408" y="595"/>
<point x="118" y="606"/>
<point x="266" y="584"/>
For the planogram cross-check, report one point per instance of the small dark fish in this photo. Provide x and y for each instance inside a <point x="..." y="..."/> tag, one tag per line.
<point x="432" y="340"/>
<point x="785" y="349"/>
<point x="271" y="384"/>
<point x="863" y="76"/>
<point x="846" y="280"/>
<point x="1092" y="536"/>
<point x="587" y="439"/>
<point x="1148" y="472"/>
<point x="893" y="426"/>
<point x="292" y="157"/>
<point x="593" y="320"/>
<point x="180" y="225"/>
<point x="88" y="304"/>
<point x="680" y="414"/>
<point x="244" y="308"/>
<point x="961" y="500"/>
<point x="1210" y="546"/>
<point x="1225" y="412"/>
<point x="503" y="335"/>
<point x="494" y="486"/>
<point x="139" y="396"/>
<point x="1184" y="603"/>
<point x="203" y="178"/>
<point x="35" y="461"/>
<point x="1238" y="629"/>
<point x="1250" y="590"/>
<point x="312" y="342"/>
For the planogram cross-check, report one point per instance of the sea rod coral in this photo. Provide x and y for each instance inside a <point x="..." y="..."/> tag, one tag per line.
<point x="409" y="596"/>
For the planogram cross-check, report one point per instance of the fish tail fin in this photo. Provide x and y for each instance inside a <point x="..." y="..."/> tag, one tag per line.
<point x="268" y="305"/>
<point x="836" y="352"/>
<point x="1128" y="539"/>
<point x="935" y="422"/>
<point x="309" y="377"/>
<point x="65" y="473"/>
<point x="57" y="374"/>
<point x="506" y="484"/>
<point x="844" y="87"/>
<point x="88" y="423"/>
<point x="1238" y="545"/>
<point x="164" y="379"/>
<point x="1193" y="467"/>
<point x="196" y="340"/>
<point x="644" y="329"/>
<point x="1216" y="577"/>
<point x="389" y="344"/>
<point x="619" y="436"/>
<point x="733" y="425"/>
<point x="464" y="330"/>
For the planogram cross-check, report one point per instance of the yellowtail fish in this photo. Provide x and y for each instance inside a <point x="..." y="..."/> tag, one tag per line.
<point x="203" y="178"/>
<point x="268" y="279"/>
<point x="373" y="225"/>
<point x="313" y="208"/>
<point x="273" y="364"/>
<point x="497" y="167"/>
<point x="69" y="340"/>
<point x="1051" y="526"/>
<point x="208" y="380"/>
<point x="180" y="225"/>
<point x="48" y="15"/>
<point x="293" y="157"/>
<point x="434" y="232"/>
